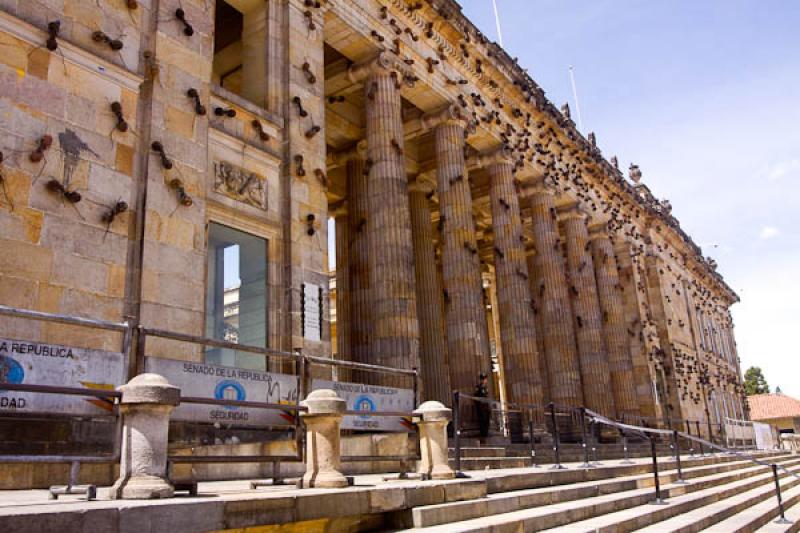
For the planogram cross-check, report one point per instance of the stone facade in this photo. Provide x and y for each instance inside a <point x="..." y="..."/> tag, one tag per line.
<point x="441" y="161"/>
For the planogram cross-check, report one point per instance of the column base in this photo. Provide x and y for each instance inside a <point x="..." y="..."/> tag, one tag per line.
<point x="146" y="488"/>
<point x="324" y="480"/>
<point x="442" y="472"/>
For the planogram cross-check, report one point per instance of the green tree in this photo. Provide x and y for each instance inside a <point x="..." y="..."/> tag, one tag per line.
<point x="755" y="382"/>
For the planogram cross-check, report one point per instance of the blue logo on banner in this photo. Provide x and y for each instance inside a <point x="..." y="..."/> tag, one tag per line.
<point x="230" y="390"/>
<point x="364" y="403"/>
<point x="10" y="370"/>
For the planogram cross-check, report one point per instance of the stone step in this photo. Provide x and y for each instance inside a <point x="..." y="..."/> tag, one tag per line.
<point x="491" y="463"/>
<point x="479" y="452"/>
<point x="760" y="517"/>
<point x="551" y="507"/>
<point x="792" y="515"/>
<point x="682" y="501"/>
<point x="505" y="502"/>
<point x="546" y="476"/>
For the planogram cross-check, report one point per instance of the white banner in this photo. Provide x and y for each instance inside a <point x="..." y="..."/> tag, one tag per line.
<point x="227" y="383"/>
<point x="369" y="398"/>
<point x="39" y="363"/>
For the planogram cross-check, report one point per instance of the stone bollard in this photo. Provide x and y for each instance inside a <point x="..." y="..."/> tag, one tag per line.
<point x="323" y="450"/>
<point x="432" y="418"/>
<point x="147" y="401"/>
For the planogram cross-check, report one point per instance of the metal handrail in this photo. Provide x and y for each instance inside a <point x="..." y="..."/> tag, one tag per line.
<point x="64" y="319"/>
<point x="676" y="434"/>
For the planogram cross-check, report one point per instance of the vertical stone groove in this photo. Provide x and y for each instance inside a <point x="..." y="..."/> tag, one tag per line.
<point x="360" y="303"/>
<point x="613" y="308"/>
<point x="395" y="338"/>
<point x="558" y="331"/>
<point x="517" y="322"/>
<point x="432" y="355"/>
<point x="592" y="353"/>
<point x="467" y="335"/>
<point x="343" y="291"/>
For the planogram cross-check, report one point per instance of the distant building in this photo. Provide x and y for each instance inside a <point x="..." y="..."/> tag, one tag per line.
<point x="777" y="409"/>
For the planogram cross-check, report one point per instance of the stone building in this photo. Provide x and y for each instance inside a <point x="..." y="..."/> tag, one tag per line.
<point x="157" y="153"/>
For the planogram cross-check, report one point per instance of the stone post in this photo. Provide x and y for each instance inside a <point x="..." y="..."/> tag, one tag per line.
<point x="323" y="450"/>
<point x="147" y="401"/>
<point x="517" y="321"/>
<point x="465" y="315"/>
<point x="613" y="308"/>
<point x="433" y="356"/>
<point x="552" y="293"/>
<point x="592" y="353"/>
<point x="395" y="327"/>
<point x="432" y="419"/>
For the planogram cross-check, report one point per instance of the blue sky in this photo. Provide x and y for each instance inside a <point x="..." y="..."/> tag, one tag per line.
<point x="705" y="97"/>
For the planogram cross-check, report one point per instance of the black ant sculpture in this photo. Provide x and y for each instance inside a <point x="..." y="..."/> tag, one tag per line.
<point x="3" y="184"/>
<point x="57" y="187"/>
<point x="100" y="37"/>
<point x="199" y="108"/>
<point x="122" y="124"/>
<point x="263" y="135"/>
<point x="180" y="14"/>
<point x="159" y="149"/>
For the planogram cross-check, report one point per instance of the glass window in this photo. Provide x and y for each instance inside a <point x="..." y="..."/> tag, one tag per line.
<point x="236" y="295"/>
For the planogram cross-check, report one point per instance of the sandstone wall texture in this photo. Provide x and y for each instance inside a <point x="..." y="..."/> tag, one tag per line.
<point x="128" y="128"/>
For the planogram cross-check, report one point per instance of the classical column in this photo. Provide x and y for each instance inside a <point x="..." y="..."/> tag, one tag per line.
<point x="592" y="353"/>
<point x="552" y="291"/>
<point x="467" y="336"/>
<point x="612" y="307"/>
<point x="642" y="346"/>
<point x="433" y="360"/>
<point x="343" y="291"/>
<point x="358" y="263"/>
<point x="395" y="328"/>
<point x="534" y="281"/>
<point x="517" y="322"/>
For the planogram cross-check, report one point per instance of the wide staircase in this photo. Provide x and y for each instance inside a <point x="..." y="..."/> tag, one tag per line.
<point x="724" y="493"/>
<point x="498" y="453"/>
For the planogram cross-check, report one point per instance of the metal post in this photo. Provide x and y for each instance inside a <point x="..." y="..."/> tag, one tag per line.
<point x="678" y="457"/>
<point x="658" y="500"/>
<point x="593" y="435"/>
<point x="691" y="442"/>
<point x="533" y="443"/>
<point x="556" y="439"/>
<point x="782" y="519"/>
<point x="457" y="433"/>
<point x="582" y="413"/>
<point x="626" y="460"/>
<point x="700" y="444"/>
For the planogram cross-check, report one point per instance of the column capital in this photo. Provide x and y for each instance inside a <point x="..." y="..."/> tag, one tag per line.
<point x="421" y="185"/>
<point x="357" y="151"/>
<point x="537" y="184"/>
<point x="450" y="114"/>
<point x="500" y="155"/>
<point x="598" y="229"/>
<point x="571" y="211"/>
<point x="338" y="209"/>
<point x="382" y="62"/>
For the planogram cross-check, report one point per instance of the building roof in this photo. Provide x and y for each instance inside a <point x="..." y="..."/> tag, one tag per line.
<point x="770" y="406"/>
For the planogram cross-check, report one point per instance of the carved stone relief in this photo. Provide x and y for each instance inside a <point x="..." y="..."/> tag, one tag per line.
<point x="240" y="184"/>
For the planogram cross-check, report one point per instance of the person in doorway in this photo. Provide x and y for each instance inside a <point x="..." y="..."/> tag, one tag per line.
<point x="483" y="408"/>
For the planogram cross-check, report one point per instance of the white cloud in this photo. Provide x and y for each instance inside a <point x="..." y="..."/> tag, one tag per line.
<point x="767" y="232"/>
<point x="782" y="169"/>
